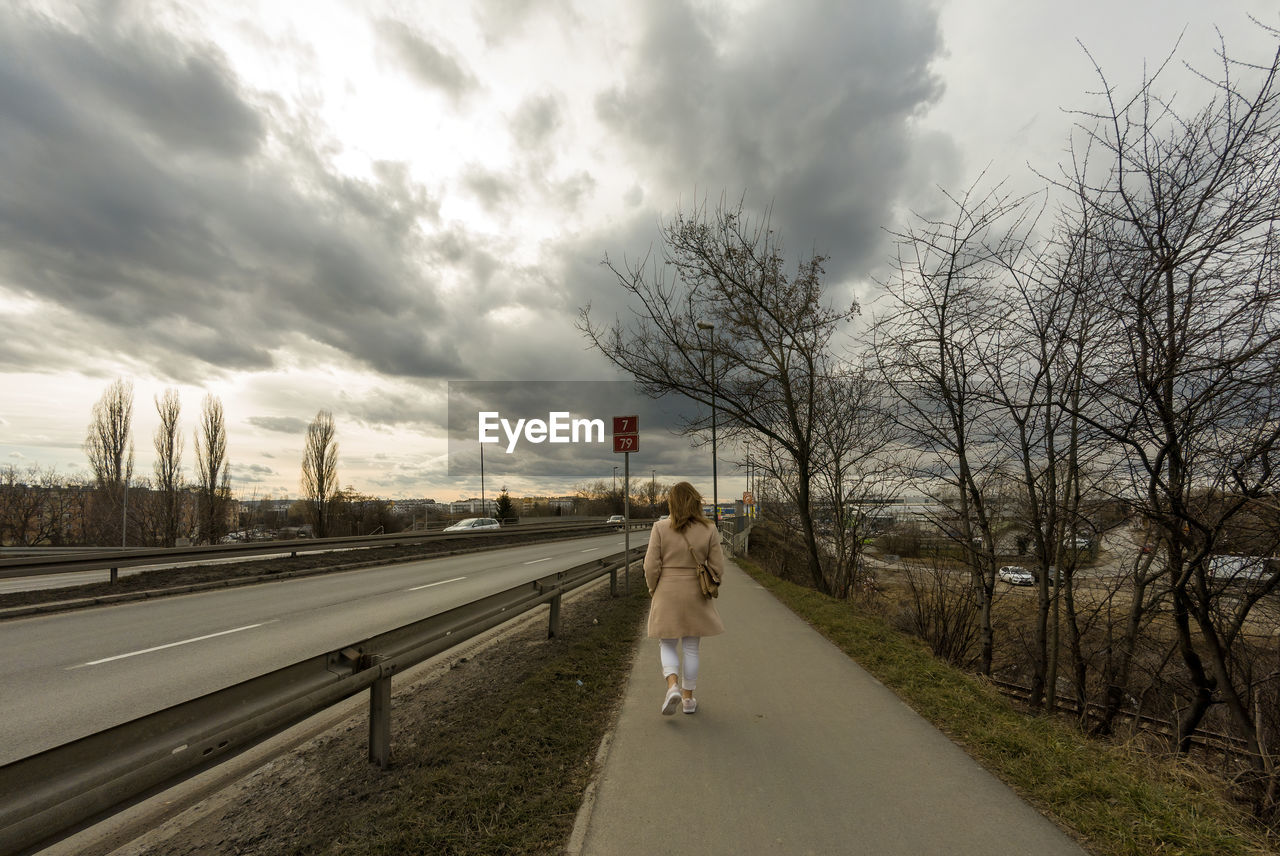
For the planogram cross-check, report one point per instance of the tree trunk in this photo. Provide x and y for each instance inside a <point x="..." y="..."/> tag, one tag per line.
<point x="813" y="561"/>
<point x="1203" y="684"/>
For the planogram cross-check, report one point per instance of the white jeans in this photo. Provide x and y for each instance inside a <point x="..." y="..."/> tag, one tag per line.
<point x="671" y="660"/>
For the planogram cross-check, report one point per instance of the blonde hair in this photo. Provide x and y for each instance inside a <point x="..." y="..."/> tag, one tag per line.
<point x="685" y="504"/>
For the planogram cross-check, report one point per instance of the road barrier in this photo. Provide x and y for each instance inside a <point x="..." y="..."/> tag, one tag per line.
<point x="51" y="794"/>
<point x="113" y="559"/>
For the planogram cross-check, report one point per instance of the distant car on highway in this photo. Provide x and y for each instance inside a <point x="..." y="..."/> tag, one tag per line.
<point x="616" y="518"/>
<point x="474" y="524"/>
<point x="1016" y="576"/>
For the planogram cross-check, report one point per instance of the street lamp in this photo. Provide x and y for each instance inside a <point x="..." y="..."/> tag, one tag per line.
<point x="715" y="494"/>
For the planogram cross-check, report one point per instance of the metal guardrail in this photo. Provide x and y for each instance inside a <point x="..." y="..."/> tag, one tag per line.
<point x="114" y="559"/>
<point x="50" y="794"/>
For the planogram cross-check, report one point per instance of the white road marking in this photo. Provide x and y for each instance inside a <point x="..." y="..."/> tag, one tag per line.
<point x="589" y="550"/>
<point x="170" y="645"/>
<point x="432" y="585"/>
<point x="536" y="561"/>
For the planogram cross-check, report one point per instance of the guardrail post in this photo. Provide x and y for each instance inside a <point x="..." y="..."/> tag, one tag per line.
<point x="553" y="628"/>
<point x="380" y="722"/>
<point x="613" y="583"/>
<point x="115" y="575"/>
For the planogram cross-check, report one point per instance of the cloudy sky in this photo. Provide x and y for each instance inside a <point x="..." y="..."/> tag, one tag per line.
<point x="345" y="205"/>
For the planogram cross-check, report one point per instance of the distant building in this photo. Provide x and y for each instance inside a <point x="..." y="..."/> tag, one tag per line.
<point x="562" y="504"/>
<point x="474" y="506"/>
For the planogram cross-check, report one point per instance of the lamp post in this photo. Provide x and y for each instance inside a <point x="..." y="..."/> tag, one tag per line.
<point x="124" y="516"/>
<point x="715" y="492"/>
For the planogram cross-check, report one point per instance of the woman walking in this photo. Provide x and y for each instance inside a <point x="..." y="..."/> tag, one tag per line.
<point x="679" y="615"/>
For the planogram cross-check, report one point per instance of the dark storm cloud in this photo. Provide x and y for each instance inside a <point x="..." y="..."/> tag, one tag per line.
<point x="137" y="196"/>
<point x="427" y="62"/>
<point x="188" y="101"/>
<point x="805" y="105"/>
<point x="382" y="408"/>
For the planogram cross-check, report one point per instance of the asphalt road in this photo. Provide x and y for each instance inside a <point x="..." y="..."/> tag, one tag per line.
<point x="70" y="674"/>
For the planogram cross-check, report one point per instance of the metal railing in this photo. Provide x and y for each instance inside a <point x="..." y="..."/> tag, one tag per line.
<point x="48" y="795"/>
<point x="114" y="559"/>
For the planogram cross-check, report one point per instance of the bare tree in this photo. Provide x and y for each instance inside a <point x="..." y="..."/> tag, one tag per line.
<point x="168" y="466"/>
<point x="719" y="320"/>
<point x="23" y="507"/>
<point x="69" y="504"/>
<point x="943" y="326"/>
<point x="1185" y="213"/>
<point x="213" y="490"/>
<point x="109" y="445"/>
<point x="854" y="435"/>
<point x="320" y="472"/>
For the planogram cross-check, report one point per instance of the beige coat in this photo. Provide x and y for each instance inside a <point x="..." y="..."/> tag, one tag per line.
<point x="678" y="607"/>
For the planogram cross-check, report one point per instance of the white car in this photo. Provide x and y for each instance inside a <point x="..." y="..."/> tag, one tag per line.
<point x="616" y="518"/>
<point x="1016" y="576"/>
<point x="474" y="524"/>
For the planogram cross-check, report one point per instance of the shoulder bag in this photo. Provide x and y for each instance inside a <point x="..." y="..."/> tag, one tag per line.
<point x="708" y="579"/>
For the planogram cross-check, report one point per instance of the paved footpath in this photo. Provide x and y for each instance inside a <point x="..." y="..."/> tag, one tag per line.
<point x="794" y="750"/>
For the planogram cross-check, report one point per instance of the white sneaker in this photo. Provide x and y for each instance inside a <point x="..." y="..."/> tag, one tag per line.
<point x="690" y="705"/>
<point x="671" y="701"/>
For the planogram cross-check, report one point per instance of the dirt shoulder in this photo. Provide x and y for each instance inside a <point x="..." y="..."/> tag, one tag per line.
<point x="491" y="754"/>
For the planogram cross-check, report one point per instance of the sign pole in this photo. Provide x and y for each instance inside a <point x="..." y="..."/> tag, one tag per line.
<point x="626" y="439"/>
<point x="626" y="517"/>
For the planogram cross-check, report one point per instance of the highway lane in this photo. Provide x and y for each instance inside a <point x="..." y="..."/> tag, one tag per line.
<point x="70" y="674"/>
<point x="80" y="578"/>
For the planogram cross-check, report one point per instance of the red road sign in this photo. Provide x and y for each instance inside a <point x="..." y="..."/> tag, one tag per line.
<point x="626" y="433"/>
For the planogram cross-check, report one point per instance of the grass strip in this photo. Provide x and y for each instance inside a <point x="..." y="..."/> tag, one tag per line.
<point x="501" y="769"/>
<point x="1114" y="801"/>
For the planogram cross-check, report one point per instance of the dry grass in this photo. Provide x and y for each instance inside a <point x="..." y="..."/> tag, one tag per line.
<point x="491" y="758"/>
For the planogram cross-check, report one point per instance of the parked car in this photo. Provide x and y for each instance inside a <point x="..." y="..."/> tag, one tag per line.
<point x="474" y="524"/>
<point x="1052" y="571"/>
<point x="1016" y="576"/>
